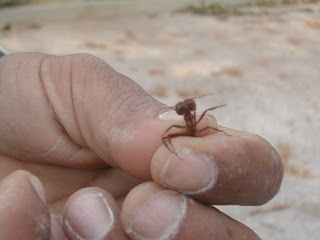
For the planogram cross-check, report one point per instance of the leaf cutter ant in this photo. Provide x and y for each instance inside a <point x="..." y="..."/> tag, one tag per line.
<point x="187" y="108"/>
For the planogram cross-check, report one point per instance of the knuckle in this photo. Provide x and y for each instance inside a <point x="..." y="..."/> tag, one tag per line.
<point x="85" y="60"/>
<point x="120" y="94"/>
<point x="90" y="67"/>
<point x="124" y="93"/>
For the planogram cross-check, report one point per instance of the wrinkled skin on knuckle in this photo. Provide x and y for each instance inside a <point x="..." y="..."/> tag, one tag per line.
<point x="126" y="96"/>
<point x="89" y="66"/>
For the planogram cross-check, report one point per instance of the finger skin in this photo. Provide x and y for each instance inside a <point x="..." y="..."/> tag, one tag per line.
<point x="145" y="216"/>
<point x="247" y="170"/>
<point x="92" y="213"/>
<point x="57" y="232"/>
<point x="23" y="213"/>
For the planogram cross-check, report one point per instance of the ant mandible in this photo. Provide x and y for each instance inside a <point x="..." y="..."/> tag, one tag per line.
<point x="188" y="109"/>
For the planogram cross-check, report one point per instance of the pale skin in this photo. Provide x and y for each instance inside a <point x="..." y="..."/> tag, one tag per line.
<point x="81" y="157"/>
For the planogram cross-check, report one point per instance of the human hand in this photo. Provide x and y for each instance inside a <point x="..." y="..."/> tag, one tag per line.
<point x="89" y="133"/>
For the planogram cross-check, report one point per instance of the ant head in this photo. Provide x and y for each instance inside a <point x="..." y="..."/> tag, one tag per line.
<point x="186" y="106"/>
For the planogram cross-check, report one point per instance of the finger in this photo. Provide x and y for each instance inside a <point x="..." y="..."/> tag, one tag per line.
<point x="92" y="213"/>
<point x="23" y="211"/>
<point x="77" y="111"/>
<point x="241" y="169"/>
<point x="57" y="232"/>
<point x="61" y="182"/>
<point x="151" y="212"/>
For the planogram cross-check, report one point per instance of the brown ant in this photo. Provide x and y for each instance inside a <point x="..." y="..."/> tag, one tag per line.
<point x="188" y="109"/>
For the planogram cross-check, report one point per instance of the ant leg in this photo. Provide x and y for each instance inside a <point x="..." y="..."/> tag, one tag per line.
<point x="168" y="137"/>
<point x="176" y="126"/>
<point x="219" y="130"/>
<point x="209" y="109"/>
<point x="169" y="144"/>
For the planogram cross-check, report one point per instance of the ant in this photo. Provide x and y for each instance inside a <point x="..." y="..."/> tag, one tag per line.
<point x="188" y="109"/>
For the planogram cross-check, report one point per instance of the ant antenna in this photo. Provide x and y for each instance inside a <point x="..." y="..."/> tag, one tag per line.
<point x="203" y="95"/>
<point x="169" y="108"/>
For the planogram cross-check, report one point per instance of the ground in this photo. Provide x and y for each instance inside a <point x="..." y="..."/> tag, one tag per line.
<point x="264" y="65"/>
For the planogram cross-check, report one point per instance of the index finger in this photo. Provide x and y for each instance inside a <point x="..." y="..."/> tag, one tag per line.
<point x="77" y="111"/>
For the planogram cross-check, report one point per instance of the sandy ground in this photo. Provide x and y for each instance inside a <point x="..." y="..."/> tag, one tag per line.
<point x="266" y="67"/>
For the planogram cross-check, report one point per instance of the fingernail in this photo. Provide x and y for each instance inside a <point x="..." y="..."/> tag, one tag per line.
<point x="169" y="114"/>
<point x="189" y="172"/>
<point x="38" y="187"/>
<point x="159" y="217"/>
<point x="90" y="217"/>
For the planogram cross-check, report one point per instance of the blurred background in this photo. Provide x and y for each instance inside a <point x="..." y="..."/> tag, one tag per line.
<point x="261" y="58"/>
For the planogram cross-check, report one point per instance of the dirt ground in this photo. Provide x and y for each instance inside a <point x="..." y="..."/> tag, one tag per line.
<point x="264" y="66"/>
